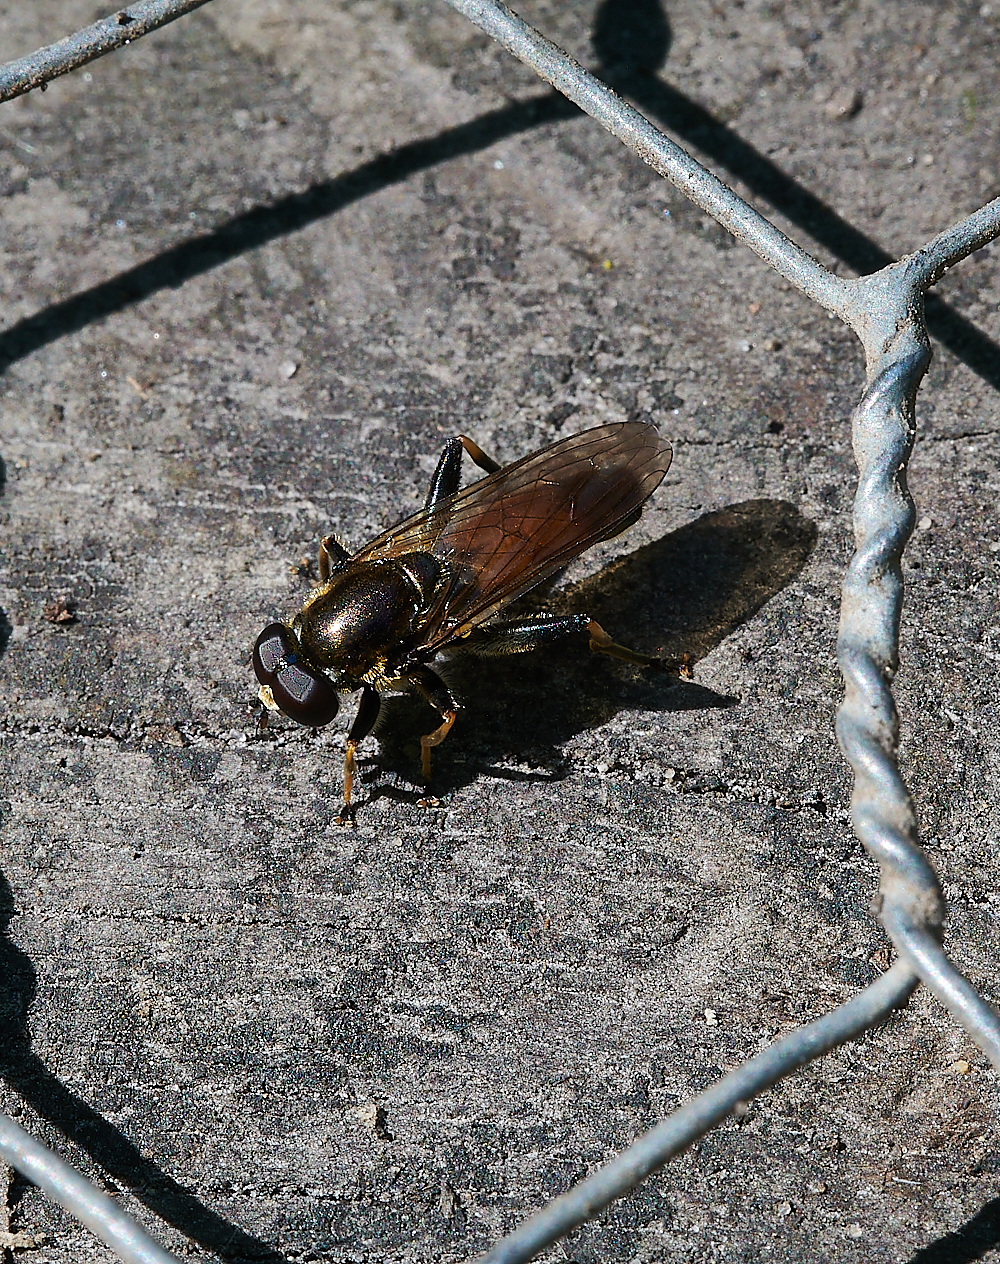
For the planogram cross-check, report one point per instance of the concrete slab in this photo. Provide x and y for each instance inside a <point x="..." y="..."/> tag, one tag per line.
<point x="256" y="269"/>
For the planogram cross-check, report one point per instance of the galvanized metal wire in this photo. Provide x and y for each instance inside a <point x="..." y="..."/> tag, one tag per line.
<point x="885" y="310"/>
<point x="703" y="1113"/>
<point x="128" y="24"/>
<point x="65" y="1185"/>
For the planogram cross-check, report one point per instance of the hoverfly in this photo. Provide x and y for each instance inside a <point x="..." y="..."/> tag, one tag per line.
<point x="437" y="582"/>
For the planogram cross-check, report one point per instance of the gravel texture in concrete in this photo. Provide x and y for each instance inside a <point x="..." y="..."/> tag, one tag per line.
<point x="256" y="269"/>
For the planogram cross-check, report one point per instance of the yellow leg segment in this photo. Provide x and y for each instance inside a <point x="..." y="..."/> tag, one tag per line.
<point x="346" y="816"/>
<point x="478" y="455"/>
<point x="434" y="739"/>
<point x="601" y="643"/>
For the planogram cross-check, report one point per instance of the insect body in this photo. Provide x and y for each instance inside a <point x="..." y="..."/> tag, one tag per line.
<point x="438" y="581"/>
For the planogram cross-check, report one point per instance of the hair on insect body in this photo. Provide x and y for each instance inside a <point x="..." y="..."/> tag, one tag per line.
<point x="440" y="580"/>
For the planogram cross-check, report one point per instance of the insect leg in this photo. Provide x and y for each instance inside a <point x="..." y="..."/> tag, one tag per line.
<point x="363" y="724"/>
<point x="449" y="468"/>
<point x="542" y="629"/>
<point x="432" y="687"/>
<point x="331" y="554"/>
<point x="601" y="643"/>
<point x="518" y="636"/>
<point x="478" y="455"/>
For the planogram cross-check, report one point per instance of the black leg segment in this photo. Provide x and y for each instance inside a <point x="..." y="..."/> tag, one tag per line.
<point x="368" y="709"/>
<point x="449" y="468"/>
<point x="446" y="476"/>
<point x="516" y="637"/>
<point x="331" y="555"/>
<point x="519" y="636"/>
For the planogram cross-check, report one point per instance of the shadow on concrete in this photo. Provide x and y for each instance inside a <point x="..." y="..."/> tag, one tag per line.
<point x="631" y="41"/>
<point x="116" y="1155"/>
<point x="263" y="224"/>
<point x="971" y="1242"/>
<point x="679" y="596"/>
<point x="688" y="591"/>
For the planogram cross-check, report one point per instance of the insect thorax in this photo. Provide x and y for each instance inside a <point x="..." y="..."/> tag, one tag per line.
<point x="365" y="619"/>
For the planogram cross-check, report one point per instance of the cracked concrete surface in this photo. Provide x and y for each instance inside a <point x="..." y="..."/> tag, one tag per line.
<point x="256" y="269"/>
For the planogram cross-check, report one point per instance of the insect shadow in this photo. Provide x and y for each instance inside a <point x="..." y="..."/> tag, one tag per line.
<point x="118" y="1157"/>
<point x="677" y="597"/>
<point x="971" y="1241"/>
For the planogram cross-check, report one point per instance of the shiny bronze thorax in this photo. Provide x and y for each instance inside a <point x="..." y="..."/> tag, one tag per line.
<point x="363" y="622"/>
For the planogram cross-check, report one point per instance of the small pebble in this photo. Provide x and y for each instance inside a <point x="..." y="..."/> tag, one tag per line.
<point x="854" y="1231"/>
<point x="844" y="104"/>
<point x="925" y="524"/>
<point x="288" y="368"/>
<point x="22" y="1241"/>
<point x="711" y="1018"/>
<point x="961" y="1067"/>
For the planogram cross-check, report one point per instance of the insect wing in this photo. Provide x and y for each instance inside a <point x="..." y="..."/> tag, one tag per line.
<point x="506" y="533"/>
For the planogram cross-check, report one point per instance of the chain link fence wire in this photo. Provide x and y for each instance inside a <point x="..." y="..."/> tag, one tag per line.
<point x="886" y="311"/>
<point x="97" y="1210"/>
<point x="121" y="28"/>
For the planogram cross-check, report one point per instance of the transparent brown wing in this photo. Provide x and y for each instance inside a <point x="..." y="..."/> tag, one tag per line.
<point x="509" y="531"/>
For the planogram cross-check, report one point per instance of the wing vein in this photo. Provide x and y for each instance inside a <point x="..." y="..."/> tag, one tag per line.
<point x="504" y="534"/>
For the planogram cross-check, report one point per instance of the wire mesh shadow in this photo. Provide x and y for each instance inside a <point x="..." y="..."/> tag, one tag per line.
<point x="262" y="224"/>
<point x="6" y="627"/>
<point x="118" y="1157"/>
<point x="631" y="40"/>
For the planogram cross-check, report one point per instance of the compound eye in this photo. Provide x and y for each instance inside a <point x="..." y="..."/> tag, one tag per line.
<point x="304" y="694"/>
<point x="275" y="643"/>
